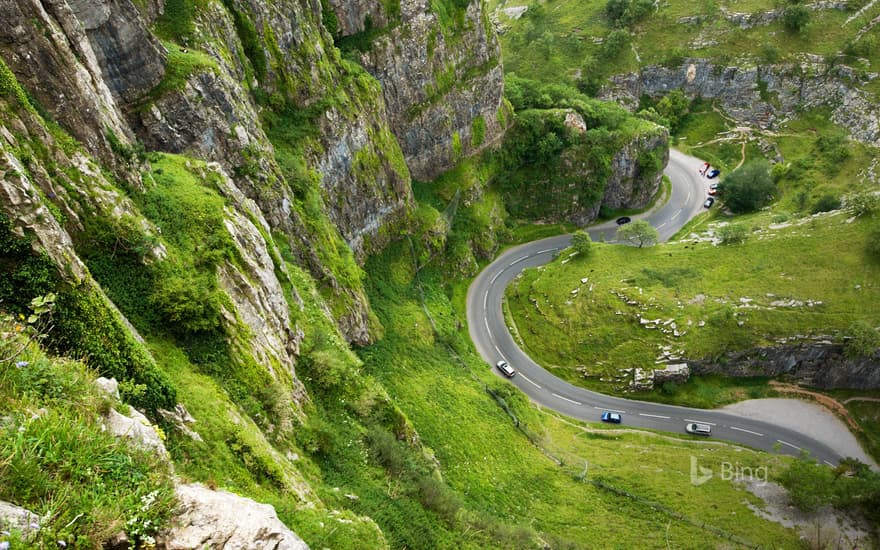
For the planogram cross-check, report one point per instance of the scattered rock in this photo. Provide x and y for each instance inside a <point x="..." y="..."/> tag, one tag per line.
<point x="18" y="518"/>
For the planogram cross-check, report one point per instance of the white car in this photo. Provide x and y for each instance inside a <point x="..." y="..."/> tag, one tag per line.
<point x="505" y="369"/>
<point x="698" y="429"/>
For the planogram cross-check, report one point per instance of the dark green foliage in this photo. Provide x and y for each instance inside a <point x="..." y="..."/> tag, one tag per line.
<point x="872" y="246"/>
<point x="250" y="40"/>
<point x="329" y="19"/>
<point x="796" y="18"/>
<point x="670" y="110"/>
<point x="852" y="485"/>
<point x="826" y="203"/>
<point x="864" y="340"/>
<point x="748" y="188"/>
<point x="478" y="131"/>
<point x="84" y="323"/>
<point x="615" y="43"/>
<point x="176" y="22"/>
<point x="627" y="12"/>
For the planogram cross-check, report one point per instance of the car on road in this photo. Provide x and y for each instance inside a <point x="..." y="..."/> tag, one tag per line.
<point x="697" y="428"/>
<point x="614" y="418"/>
<point x="505" y="369"/>
<point x="623" y="219"/>
<point x="713" y="173"/>
<point x="713" y="188"/>
<point x="709" y="202"/>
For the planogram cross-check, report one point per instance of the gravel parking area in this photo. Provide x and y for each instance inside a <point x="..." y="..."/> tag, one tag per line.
<point x="806" y="417"/>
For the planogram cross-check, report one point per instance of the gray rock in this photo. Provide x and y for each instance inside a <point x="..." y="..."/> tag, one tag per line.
<point x="220" y="519"/>
<point x="16" y="517"/>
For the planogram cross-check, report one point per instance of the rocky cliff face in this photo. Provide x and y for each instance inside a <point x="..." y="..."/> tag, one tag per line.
<point x="818" y="364"/>
<point x="442" y="89"/>
<point x="761" y="95"/>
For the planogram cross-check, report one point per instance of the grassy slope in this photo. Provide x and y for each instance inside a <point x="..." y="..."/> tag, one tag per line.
<point x="498" y="470"/>
<point x="820" y="259"/>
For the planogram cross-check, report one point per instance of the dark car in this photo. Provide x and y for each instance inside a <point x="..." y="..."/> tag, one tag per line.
<point x="713" y="173"/>
<point x="614" y="418"/>
<point x="505" y="369"/>
<point x="709" y="202"/>
<point x="623" y="219"/>
<point x="698" y="429"/>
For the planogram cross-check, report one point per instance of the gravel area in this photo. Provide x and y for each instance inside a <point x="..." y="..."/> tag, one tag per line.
<point x="806" y="417"/>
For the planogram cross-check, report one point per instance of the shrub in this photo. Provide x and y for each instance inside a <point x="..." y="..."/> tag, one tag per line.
<point x="639" y="232"/>
<point x="863" y="342"/>
<point x="733" y="233"/>
<point x="796" y="18"/>
<point x="748" y="188"/>
<point x="581" y="242"/>
<point x="826" y="203"/>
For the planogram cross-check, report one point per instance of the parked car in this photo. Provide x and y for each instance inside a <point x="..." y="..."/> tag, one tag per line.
<point x="505" y="369"/>
<point x="698" y="429"/>
<point x="623" y="219"/>
<point x="709" y="202"/>
<point x="614" y="418"/>
<point x="713" y="173"/>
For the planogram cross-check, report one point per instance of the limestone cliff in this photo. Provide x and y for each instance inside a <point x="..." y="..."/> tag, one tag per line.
<point x="762" y="95"/>
<point x="441" y="80"/>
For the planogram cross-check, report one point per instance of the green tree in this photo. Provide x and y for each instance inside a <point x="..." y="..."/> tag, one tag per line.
<point x="638" y="232"/>
<point x="581" y="242"/>
<point x="863" y="204"/>
<point x="796" y="18"/>
<point x="748" y="188"/>
<point x="673" y="107"/>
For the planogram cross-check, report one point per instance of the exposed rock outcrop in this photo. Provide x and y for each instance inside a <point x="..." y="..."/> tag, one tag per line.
<point x="761" y="95"/>
<point x="818" y="364"/>
<point x="220" y="519"/>
<point x="14" y="517"/>
<point x="442" y="87"/>
<point x="637" y="170"/>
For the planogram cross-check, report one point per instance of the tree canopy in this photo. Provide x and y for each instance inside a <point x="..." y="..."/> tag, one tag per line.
<point x="748" y="188"/>
<point x="638" y="232"/>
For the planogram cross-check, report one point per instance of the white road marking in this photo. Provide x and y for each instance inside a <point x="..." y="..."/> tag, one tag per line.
<point x="789" y="444"/>
<point x="492" y="282"/>
<point x="747" y="431"/>
<point x="486" y="319"/>
<point x="828" y="463"/>
<point x="609" y="410"/>
<point x="689" y="197"/>
<point x="547" y="250"/>
<point x="699" y="421"/>
<point x="566" y="399"/>
<point x="526" y="378"/>
<point x="675" y="215"/>
<point x="486" y="301"/>
<point x="661" y="225"/>
<point x="654" y="415"/>
<point x="518" y="260"/>
<point x="499" y="353"/>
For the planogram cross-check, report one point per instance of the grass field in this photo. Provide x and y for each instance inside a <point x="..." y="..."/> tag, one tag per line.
<point x="806" y="277"/>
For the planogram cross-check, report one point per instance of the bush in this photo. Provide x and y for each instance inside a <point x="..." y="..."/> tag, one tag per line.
<point x="863" y="342"/>
<point x="826" y="203"/>
<point x="748" y="188"/>
<point x="796" y="18"/>
<point x="615" y="43"/>
<point x="863" y="204"/>
<point x="733" y="234"/>
<point x="581" y="242"/>
<point x="638" y="232"/>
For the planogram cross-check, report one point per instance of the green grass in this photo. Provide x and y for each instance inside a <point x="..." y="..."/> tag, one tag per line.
<point x="691" y="283"/>
<point x="498" y="470"/>
<point x="57" y="460"/>
<point x="553" y="39"/>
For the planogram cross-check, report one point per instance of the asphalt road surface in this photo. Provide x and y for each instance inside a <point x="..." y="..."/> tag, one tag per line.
<point x="494" y="342"/>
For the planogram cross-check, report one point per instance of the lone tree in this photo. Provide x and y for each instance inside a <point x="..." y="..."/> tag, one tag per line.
<point x="748" y="188"/>
<point x="581" y="242"/>
<point x="638" y="232"/>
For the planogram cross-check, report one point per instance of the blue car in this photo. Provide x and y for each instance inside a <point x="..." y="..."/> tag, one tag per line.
<point x="614" y="418"/>
<point x="713" y="173"/>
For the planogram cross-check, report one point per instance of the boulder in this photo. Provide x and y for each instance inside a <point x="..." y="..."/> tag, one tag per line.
<point x="220" y="519"/>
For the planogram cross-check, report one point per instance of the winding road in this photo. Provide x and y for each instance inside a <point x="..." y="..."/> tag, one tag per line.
<point x="493" y="341"/>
